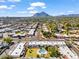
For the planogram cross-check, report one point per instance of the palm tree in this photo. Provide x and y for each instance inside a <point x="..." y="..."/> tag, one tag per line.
<point x="8" y="40"/>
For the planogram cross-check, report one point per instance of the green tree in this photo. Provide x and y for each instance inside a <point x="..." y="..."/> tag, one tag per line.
<point x="47" y="34"/>
<point x="8" y="40"/>
<point x="54" y="51"/>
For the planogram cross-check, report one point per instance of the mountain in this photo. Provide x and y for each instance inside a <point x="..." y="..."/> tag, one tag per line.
<point x="41" y="14"/>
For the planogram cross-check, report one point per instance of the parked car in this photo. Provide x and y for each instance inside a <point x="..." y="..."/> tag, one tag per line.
<point x="1" y="45"/>
<point x="4" y="45"/>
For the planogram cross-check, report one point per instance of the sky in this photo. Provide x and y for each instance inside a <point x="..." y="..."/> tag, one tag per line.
<point x="25" y="8"/>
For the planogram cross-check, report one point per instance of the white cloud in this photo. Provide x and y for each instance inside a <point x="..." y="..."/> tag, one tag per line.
<point x="38" y="4"/>
<point x="10" y="0"/>
<point x="2" y="0"/>
<point x="33" y="11"/>
<point x="14" y="0"/>
<point x="70" y="11"/>
<point x="3" y="7"/>
<point x="11" y="6"/>
<point x="6" y="7"/>
<point x="30" y="8"/>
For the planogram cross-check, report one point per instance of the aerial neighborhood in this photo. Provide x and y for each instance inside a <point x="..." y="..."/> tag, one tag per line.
<point x="39" y="39"/>
<point x="39" y="29"/>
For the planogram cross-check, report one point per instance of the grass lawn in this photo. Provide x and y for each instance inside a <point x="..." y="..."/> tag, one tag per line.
<point x="32" y="52"/>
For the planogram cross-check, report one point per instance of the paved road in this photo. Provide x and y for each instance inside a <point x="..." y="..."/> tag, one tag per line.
<point x="6" y="51"/>
<point x="75" y="49"/>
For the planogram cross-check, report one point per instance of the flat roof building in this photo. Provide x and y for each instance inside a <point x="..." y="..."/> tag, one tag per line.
<point x="18" y="50"/>
<point x="31" y="32"/>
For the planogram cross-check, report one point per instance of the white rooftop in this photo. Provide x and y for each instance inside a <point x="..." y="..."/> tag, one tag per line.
<point x="66" y="51"/>
<point x="18" y="50"/>
<point x="31" y="32"/>
<point x="45" y="43"/>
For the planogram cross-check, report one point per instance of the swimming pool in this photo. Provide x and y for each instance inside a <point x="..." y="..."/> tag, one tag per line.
<point x="42" y="51"/>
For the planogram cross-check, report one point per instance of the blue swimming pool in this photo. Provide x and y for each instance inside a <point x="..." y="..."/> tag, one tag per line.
<point x="42" y="51"/>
